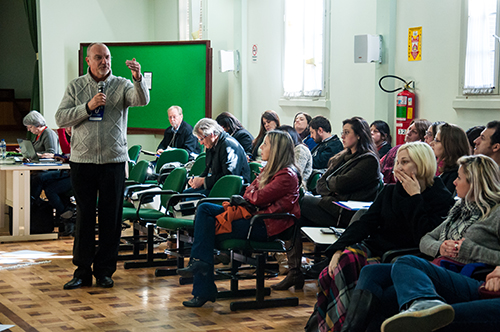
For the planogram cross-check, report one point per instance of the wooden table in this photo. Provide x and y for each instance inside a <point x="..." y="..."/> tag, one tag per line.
<point x="15" y="192"/>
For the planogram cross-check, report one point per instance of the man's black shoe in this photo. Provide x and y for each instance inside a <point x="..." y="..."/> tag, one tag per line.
<point x="78" y="282"/>
<point x="105" y="282"/>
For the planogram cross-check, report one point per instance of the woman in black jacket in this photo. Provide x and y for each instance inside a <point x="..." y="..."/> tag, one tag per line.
<point x="449" y="144"/>
<point x="233" y="127"/>
<point x="397" y="219"/>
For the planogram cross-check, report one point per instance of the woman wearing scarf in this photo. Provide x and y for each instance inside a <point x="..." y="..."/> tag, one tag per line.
<point x="429" y="296"/>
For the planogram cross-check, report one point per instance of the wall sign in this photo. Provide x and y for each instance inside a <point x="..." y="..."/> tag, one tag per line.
<point x="415" y="44"/>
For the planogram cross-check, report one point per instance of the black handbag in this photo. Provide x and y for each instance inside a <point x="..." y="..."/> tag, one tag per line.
<point x="238" y="200"/>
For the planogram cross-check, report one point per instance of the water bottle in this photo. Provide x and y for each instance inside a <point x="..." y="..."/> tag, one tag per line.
<point x="3" y="149"/>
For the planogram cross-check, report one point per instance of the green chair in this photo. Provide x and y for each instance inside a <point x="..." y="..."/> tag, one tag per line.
<point x="313" y="179"/>
<point x="224" y="188"/>
<point x="134" y="152"/>
<point x="198" y="166"/>
<point x="171" y="155"/>
<point x="255" y="254"/>
<point x="138" y="173"/>
<point x="254" y="170"/>
<point x="144" y="220"/>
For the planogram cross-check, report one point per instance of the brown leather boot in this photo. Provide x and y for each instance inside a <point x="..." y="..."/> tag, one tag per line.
<point x="294" y="278"/>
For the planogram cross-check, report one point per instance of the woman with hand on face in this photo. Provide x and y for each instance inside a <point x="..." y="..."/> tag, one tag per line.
<point x="415" y="133"/>
<point x="401" y="214"/>
<point x="275" y="190"/>
<point x="470" y="234"/>
<point x="449" y="145"/>
<point x="381" y="134"/>
<point x="301" y="125"/>
<point x="268" y="121"/>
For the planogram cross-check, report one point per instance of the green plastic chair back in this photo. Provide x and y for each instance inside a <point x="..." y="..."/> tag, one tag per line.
<point x="226" y="186"/>
<point x="312" y="181"/>
<point x="134" y="152"/>
<point x="139" y="171"/>
<point x="171" y="155"/>
<point x="198" y="166"/>
<point x="175" y="181"/>
<point x="201" y="155"/>
<point x="254" y="170"/>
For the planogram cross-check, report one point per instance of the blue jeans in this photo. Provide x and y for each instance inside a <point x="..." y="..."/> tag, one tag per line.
<point x="204" y="243"/>
<point x="412" y="278"/>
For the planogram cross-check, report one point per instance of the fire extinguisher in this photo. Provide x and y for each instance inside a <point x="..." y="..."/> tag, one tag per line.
<point x="405" y="108"/>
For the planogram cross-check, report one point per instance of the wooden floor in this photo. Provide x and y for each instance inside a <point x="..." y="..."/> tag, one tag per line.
<point x="33" y="299"/>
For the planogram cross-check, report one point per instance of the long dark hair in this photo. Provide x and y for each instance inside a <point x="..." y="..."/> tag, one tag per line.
<point x="384" y="130"/>
<point x="269" y="115"/>
<point x="292" y="132"/>
<point x="362" y="129"/>
<point x="229" y="121"/>
<point x="306" y="131"/>
<point x="455" y="145"/>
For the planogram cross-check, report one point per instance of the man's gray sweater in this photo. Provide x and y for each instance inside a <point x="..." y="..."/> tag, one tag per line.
<point x="100" y="142"/>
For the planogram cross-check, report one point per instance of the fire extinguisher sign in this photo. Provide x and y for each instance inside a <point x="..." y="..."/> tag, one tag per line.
<point x="415" y="44"/>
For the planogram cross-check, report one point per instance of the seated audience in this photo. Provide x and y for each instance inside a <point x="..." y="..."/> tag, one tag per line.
<point x="268" y="121"/>
<point x="233" y="127"/>
<point x="381" y="134"/>
<point x="301" y="125"/>
<point x="488" y="143"/>
<point x="225" y="156"/>
<point x="303" y="158"/>
<point x="470" y="234"/>
<point x="353" y="174"/>
<point x="46" y="143"/>
<point x="397" y="219"/>
<point x="179" y="134"/>
<point x="415" y="132"/>
<point x="328" y="145"/>
<point x="472" y="134"/>
<point x="449" y="145"/>
<point x="275" y="190"/>
<point x="431" y="132"/>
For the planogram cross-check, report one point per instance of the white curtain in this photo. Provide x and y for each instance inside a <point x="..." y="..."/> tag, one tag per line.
<point x="480" y="53"/>
<point x="304" y="28"/>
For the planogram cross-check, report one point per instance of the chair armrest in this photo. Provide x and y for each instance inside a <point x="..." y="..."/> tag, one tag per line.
<point x="151" y="194"/>
<point x="129" y="190"/>
<point x="275" y="216"/>
<point x="391" y="255"/>
<point x="214" y="200"/>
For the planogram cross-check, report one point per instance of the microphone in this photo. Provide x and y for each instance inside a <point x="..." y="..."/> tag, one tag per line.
<point x="99" y="111"/>
<point x="100" y="89"/>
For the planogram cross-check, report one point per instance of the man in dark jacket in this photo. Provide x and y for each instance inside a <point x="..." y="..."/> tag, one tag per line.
<point x="179" y="134"/>
<point x="225" y="156"/>
<point x="328" y="144"/>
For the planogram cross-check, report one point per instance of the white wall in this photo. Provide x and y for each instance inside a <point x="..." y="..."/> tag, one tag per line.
<point x="238" y="24"/>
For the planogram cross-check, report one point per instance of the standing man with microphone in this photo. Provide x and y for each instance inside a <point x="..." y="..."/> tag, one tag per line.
<point x="98" y="160"/>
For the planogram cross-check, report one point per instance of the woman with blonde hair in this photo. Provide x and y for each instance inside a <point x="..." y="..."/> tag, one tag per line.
<point x="275" y="190"/>
<point x="400" y="215"/>
<point x="470" y="234"/>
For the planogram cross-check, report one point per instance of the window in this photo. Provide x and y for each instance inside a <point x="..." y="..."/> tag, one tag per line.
<point x="305" y="48"/>
<point x="191" y="25"/>
<point x="481" y="54"/>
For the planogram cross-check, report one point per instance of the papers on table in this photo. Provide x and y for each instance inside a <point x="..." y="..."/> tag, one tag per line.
<point x="353" y="205"/>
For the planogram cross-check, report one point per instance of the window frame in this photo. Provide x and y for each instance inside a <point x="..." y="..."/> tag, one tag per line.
<point x="310" y="101"/>
<point x="463" y="55"/>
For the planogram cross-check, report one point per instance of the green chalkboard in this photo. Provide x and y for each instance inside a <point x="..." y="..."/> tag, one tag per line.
<point x="181" y="75"/>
